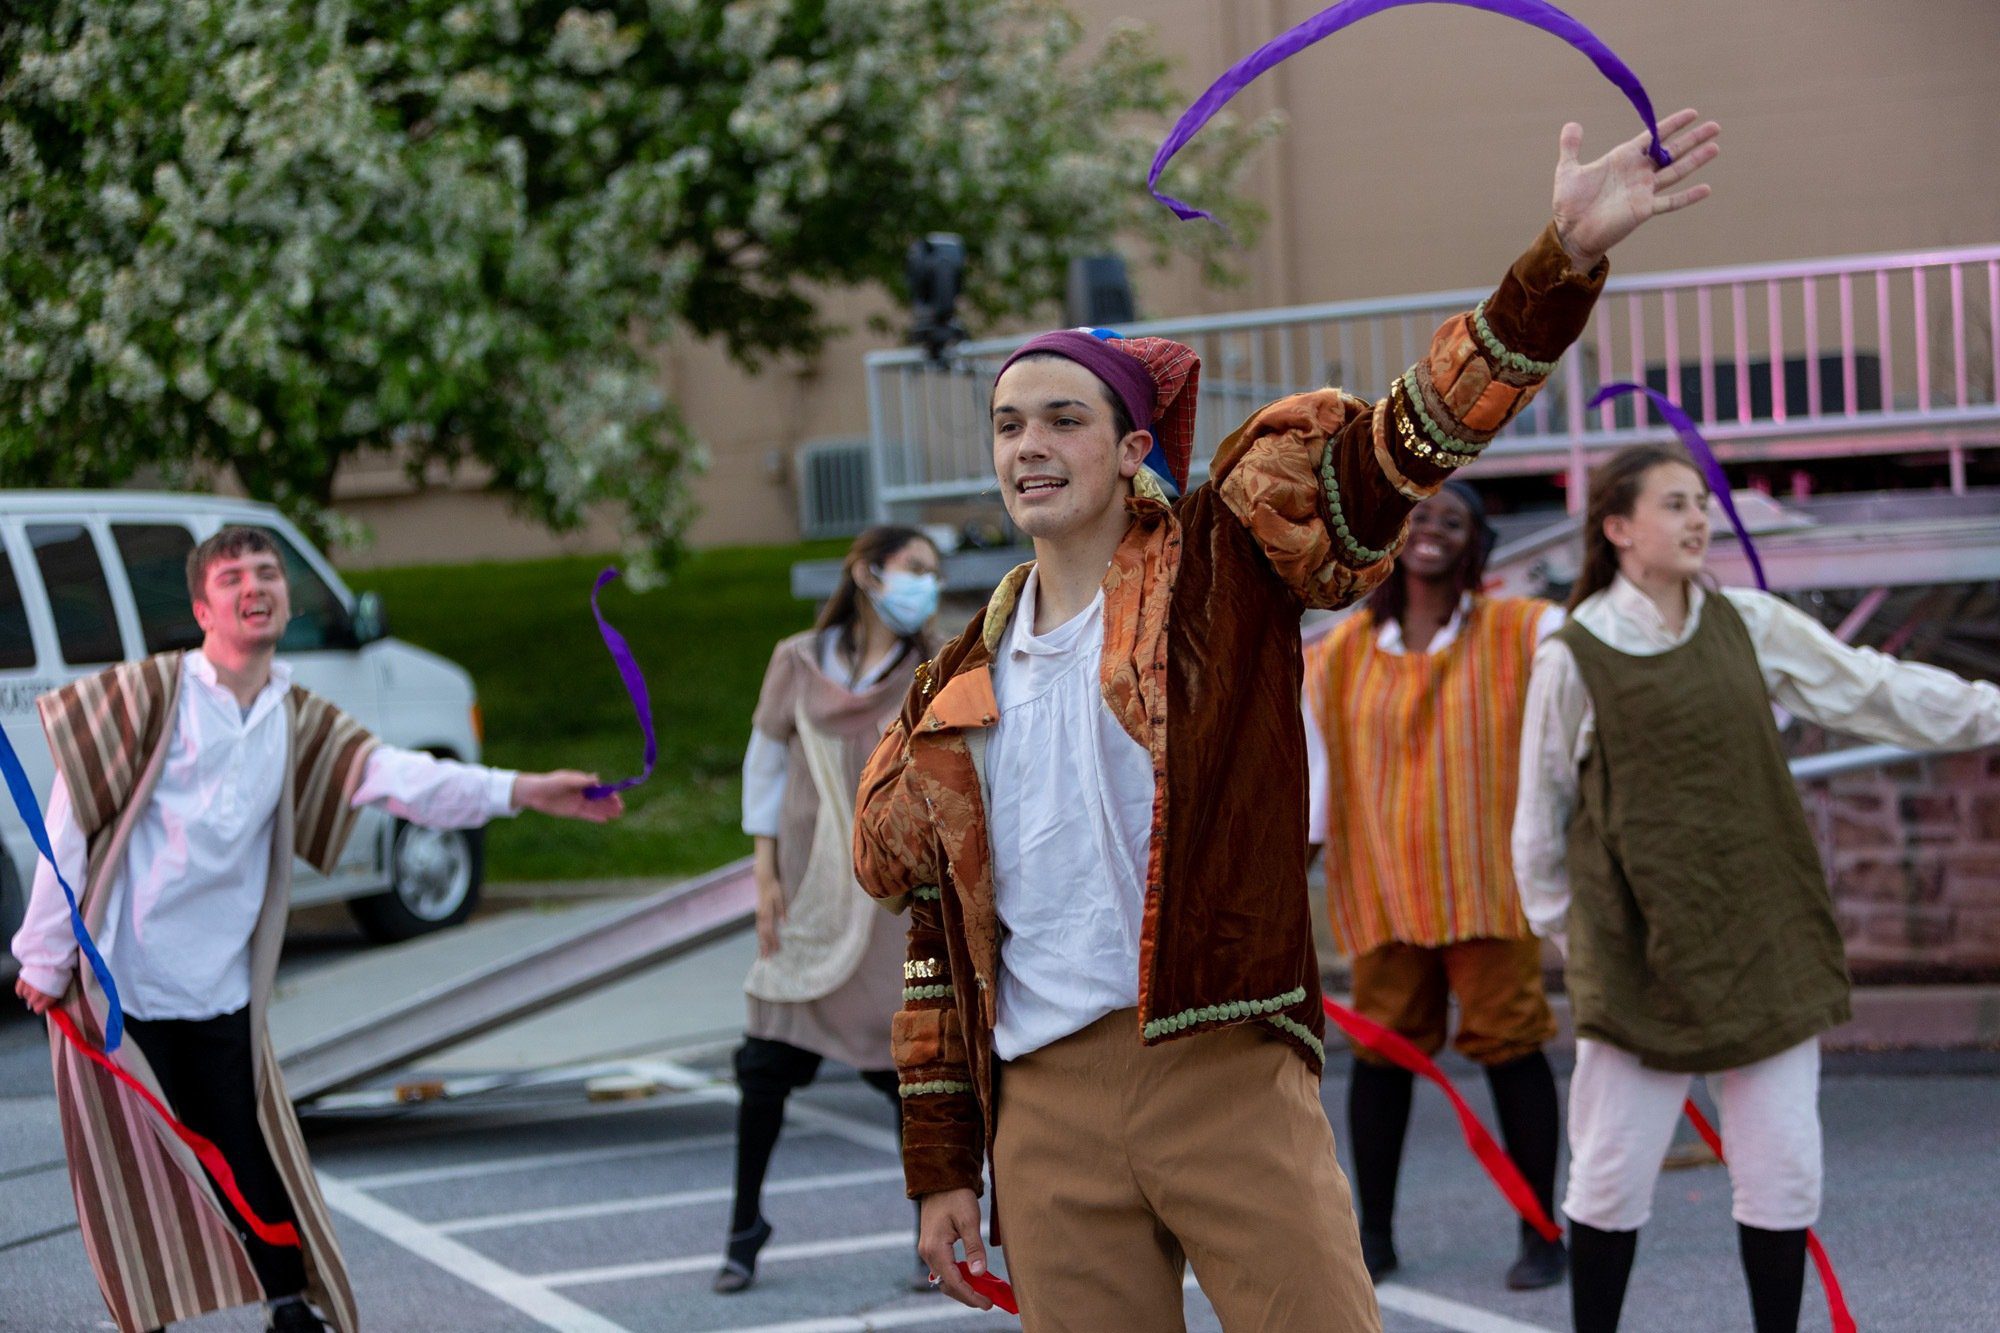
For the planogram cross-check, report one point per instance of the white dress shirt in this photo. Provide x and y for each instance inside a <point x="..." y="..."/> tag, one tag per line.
<point x="766" y="758"/>
<point x="1388" y="639"/>
<point x="177" y="924"/>
<point x="1071" y="820"/>
<point x="1807" y="671"/>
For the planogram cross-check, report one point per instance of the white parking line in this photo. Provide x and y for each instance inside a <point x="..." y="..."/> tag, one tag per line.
<point x="1454" y="1315"/>
<point x="1442" y="1311"/>
<point x="529" y="1295"/>
<point x="536" y="1161"/>
<point x="694" y="1083"/>
<point x="655" y="1202"/>
<point x="901" y="1316"/>
<point x="702" y="1263"/>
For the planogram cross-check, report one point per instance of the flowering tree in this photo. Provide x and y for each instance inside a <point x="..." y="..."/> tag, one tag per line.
<point x="263" y="236"/>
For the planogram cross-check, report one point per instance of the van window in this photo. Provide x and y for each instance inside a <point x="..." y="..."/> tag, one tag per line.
<point x="79" y="598"/>
<point x="17" y="645"/>
<point x="155" y="556"/>
<point x="319" y="619"/>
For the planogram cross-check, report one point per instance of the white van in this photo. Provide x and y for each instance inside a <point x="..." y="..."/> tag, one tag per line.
<point x="88" y="578"/>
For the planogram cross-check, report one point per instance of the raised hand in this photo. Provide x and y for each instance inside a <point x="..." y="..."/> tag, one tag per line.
<point x="1598" y="204"/>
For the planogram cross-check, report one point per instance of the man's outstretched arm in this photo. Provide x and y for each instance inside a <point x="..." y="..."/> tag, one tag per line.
<point x="444" y="793"/>
<point x="1325" y="482"/>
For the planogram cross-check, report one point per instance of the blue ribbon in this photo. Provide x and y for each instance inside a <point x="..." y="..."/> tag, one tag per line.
<point x="23" y="793"/>
<point x="1704" y="457"/>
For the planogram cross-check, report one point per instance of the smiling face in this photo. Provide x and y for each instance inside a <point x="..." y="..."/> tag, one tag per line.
<point x="1063" y="467"/>
<point x="244" y="602"/>
<point x="1665" y="537"/>
<point x="1441" y="532"/>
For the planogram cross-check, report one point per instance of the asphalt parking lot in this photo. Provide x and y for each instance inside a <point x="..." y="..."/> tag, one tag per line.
<point x="538" y="1208"/>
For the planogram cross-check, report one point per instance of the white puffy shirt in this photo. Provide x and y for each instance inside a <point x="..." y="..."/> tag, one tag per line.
<point x="177" y="924"/>
<point x="1070" y="818"/>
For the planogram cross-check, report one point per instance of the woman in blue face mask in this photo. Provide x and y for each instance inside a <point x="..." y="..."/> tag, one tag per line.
<point x="829" y="969"/>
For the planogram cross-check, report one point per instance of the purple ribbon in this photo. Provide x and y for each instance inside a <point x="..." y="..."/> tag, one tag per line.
<point x="635" y="685"/>
<point x="1534" y="13"/>
<point x="1704" y="457"/>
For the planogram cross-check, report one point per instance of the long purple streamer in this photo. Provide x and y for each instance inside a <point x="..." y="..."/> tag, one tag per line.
<point x="1704" y="457"/>
<point x="1535" y="13"/>
<point x="635" y="685"/>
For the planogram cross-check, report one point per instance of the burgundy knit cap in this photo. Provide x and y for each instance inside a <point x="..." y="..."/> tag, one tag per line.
<point x="1155" y="379"/>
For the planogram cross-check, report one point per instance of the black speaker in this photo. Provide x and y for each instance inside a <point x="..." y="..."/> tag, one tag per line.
<point x="1100" y="292"/>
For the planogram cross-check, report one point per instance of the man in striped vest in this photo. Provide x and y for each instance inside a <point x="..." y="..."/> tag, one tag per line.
<point x="185" y="784"/>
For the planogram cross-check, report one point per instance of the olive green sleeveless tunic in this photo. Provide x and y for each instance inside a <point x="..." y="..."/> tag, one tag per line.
<point x="1701" y="933"/>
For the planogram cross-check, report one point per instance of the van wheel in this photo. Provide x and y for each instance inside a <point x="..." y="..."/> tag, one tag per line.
<point x="437" y="877"/>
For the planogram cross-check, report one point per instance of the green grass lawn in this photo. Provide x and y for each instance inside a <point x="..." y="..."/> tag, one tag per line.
<point x="552" y="698"/>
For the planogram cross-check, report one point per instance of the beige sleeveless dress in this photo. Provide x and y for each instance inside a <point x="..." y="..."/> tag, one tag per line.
<point x="837" y="977"/>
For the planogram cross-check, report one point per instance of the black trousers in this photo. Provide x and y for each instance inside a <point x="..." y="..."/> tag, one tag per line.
<point x="208" y="1072"/>
<point x="767" y="1073"/>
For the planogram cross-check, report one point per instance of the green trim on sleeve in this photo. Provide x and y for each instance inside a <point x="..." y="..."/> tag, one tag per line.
<point x="932" y="1088"/>
<point x="1505" y="355"/>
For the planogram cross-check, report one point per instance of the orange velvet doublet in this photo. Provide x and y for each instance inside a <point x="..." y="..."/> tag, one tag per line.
<point x="1304" y="507"/>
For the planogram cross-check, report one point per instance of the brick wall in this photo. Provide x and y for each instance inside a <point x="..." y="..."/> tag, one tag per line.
<point x="1913" y="854"/>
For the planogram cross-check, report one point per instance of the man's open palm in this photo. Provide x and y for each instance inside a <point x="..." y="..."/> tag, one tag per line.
<point x="1598" y="204"/>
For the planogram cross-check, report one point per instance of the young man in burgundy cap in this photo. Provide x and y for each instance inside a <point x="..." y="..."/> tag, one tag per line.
<point x="1093" y="804"/>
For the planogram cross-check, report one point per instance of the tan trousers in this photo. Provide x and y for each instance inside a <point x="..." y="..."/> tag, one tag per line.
<point x="1117" y="1164"/>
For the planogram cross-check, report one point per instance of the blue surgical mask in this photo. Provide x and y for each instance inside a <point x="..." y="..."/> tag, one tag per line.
<point x="907" y="601"/>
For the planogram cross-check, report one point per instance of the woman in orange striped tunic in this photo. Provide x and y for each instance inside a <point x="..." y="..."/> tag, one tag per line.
<point x="1413" y="723"/>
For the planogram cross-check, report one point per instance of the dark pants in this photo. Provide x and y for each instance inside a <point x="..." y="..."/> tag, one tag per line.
<point x="767" y="1073"/>
<point x="208" y="1072"/>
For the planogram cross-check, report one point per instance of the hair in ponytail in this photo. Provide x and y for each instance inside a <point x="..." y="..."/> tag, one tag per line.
<point x="1614" y="492"/>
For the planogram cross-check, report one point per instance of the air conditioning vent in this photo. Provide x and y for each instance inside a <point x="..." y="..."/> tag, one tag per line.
<point x="835" y="496"/>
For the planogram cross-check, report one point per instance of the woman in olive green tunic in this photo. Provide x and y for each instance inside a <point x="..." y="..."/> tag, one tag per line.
<point x="1660" y="838"/>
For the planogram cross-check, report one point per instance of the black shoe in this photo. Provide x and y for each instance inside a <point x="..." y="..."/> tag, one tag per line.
<point x="292" y="1317"/>
<point x="1378" y="1252"/>
<point x="1542" y="1263"/>
<point x="739" y="1259"/>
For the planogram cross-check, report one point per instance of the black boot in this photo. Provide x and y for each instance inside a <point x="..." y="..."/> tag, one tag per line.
<point x="292" y="1316"/>
<point x="1524" y="1098"/>
<point x="759" y="1116"/>
<point x="739" y="1258"/>
<point x="1774" y="1262"/>
<point x="1600" y="1263"/>
<point x="1378" y="1115"/>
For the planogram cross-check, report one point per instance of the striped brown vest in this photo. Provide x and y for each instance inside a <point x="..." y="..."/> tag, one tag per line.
<point x="163" y="1248"/>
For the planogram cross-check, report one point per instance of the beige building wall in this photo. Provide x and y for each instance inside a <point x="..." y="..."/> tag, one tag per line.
<point x="1418" y="157"/>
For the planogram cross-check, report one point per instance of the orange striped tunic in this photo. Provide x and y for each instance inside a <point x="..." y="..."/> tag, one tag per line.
<point x="1423" y="756"/>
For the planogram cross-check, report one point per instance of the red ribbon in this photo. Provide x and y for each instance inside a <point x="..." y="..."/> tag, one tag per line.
<point x="995" y="1289"/>
<point x="1836" y="1299"/>
<point x="1396" y="1048"/>
<point x="284" y="1233"/>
